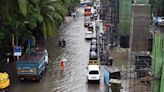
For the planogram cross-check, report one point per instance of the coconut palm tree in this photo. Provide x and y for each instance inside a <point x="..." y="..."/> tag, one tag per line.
<point x="44" y="18"/>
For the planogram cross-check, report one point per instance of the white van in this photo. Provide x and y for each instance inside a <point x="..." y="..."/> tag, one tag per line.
<point x="93" y="73"/>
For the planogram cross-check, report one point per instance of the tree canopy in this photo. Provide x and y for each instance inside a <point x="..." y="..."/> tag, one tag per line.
<point x="31" y="18"/>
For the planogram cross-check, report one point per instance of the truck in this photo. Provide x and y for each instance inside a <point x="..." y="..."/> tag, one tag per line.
<point x="32" y="64"/>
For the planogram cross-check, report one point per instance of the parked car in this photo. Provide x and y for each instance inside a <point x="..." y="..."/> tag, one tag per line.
<point x="87" y="21"/>
<point x="93" y="47"/>
<point x="92" y="17"/>
<point x="90" y="27"/>
<point x="88" y="35"/>
<point x="159" y="21"/>
<point x="93" y="42"/>
<point x="93" y="73"/>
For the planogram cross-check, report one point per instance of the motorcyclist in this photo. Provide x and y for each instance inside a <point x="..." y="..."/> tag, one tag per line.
<point x="60" y="43"/>
<point x="63" y="43"/>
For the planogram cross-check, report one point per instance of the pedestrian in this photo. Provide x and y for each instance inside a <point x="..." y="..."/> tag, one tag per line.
<point x="8" y="58"/>
<point x="59" y="44"/>
<point x="62" y="64"/>
<point x="73" y="14"/>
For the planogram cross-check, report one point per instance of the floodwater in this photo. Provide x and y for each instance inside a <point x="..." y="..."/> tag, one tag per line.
<point x="74" y="76"/>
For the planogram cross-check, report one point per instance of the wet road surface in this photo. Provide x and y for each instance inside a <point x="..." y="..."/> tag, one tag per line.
<point x="74" y="77"/>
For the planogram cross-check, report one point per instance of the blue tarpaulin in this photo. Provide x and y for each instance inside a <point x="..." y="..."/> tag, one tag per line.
<point x="106" y="76"/>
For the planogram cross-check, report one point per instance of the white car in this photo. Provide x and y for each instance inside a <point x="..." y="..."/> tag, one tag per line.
<point x="93" y="73"/>
<point x="159" y="21"/>
<point x="88" y="34"/>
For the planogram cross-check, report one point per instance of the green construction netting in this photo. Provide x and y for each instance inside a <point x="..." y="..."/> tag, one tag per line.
<point x="158" y="63"/>
<point x="141" y="1"/>
<point x="124" y="16"/>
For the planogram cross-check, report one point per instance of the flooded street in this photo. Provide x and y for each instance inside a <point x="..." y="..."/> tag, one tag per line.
<point x="74" y="76"/>
<point x="62" y="45"/>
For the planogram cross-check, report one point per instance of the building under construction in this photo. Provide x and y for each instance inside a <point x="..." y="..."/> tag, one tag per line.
<point x="143" y="72"/>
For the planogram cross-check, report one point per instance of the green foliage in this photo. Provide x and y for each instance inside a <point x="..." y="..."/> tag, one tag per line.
<point x="58" y="8"/>
<point x="141" y="1"/>
<point x="157" y="7"/>
<point x="23" y="6"/>
<point x="2" y="34"/>
<point x="27" y="16"/>
<point x="47" y="11"/>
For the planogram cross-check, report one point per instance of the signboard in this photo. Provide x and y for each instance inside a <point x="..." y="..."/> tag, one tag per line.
<point x="17" y="51"/>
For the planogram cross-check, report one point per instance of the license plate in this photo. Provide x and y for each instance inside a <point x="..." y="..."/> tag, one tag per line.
<point x="25" y="71"/>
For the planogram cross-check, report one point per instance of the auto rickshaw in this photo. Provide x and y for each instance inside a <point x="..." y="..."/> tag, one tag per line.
<point x="4" y="81"/>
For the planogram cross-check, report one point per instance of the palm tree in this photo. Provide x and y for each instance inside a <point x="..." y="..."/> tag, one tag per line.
<point x="44" y="18"/>
<point x="52" y="14"/>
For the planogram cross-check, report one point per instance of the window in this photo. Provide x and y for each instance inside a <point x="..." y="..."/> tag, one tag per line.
<point x="87" y="10"/>
<point x="93" y="72"/>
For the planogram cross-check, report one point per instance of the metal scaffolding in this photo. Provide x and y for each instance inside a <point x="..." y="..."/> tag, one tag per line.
<point x="143" y="73"/>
